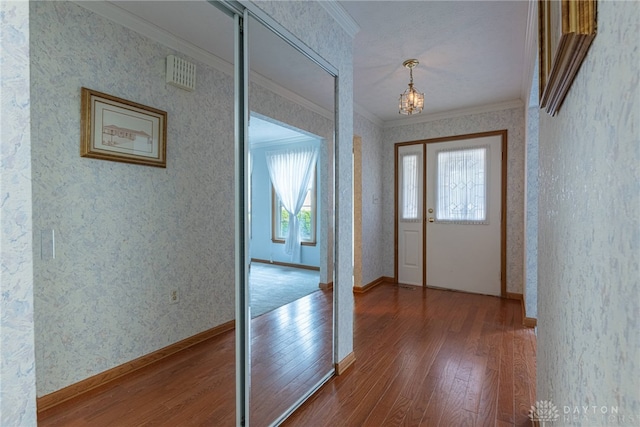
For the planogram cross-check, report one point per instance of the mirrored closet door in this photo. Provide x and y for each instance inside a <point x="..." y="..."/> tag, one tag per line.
<point x="289" y="213"/>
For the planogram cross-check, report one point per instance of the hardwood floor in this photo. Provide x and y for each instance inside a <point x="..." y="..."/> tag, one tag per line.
<point x="284" y="368"/>
<point x="423" y="357"/>
<point x="292" y="351"/>
<point x="431" y="357"/>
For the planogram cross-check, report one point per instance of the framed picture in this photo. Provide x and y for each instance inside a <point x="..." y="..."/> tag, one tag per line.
<point x="566" y="30"/>
<point x="123" y="131"/>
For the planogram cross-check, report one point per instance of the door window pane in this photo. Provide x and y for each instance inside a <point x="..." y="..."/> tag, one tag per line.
<point x="461" y="185"/>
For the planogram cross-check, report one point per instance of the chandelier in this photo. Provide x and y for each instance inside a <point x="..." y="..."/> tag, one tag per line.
<point x="411" y="101"/>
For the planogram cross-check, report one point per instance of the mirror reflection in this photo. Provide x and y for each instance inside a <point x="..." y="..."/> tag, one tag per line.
<point x="291" y="135"/>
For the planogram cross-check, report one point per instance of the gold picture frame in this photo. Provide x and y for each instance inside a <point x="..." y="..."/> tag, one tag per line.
<point x="123" y="131"/>
<point x="566" y="30"/>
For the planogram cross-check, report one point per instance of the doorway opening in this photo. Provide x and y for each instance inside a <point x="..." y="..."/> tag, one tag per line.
<point x="278" y="278"/>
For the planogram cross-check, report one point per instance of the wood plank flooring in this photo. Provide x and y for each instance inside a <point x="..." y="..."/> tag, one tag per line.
<point x="423" y="357"/>
<point x="427" y="357"/>
<point x="292" y="351"/>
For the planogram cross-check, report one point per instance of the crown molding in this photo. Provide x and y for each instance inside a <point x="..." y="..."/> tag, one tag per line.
<point x="424" y="118"/>
<point x="530" y="54"/>
<point x="357" y="108"/>
<point x="341" y="16"/>
<point x="122" y="17"/>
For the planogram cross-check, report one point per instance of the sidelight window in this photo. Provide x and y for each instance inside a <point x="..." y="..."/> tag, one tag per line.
<point x="411" y="187"/>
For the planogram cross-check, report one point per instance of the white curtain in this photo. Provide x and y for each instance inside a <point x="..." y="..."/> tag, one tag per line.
<point x="290" y="172"/>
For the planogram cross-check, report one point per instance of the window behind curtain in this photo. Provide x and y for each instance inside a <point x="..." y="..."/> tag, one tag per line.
<point x="307" y="216"/>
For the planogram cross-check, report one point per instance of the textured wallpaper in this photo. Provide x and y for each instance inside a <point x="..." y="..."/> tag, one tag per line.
<point x="513" y="121"/>
<point x="17" y="370"/>
<point x="126" y="235"/>
<point x="589" y="242"/>
<point x="372" y="237"/>
<point x="531" y="207"/>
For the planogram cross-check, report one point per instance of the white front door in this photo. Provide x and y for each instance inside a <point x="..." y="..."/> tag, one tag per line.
<point x="449" y="216"/>
<point x="464" y="211"/>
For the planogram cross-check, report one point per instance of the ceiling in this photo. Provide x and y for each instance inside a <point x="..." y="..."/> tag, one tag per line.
<point x="265" y="132"/>
<point x="471" y="53"/>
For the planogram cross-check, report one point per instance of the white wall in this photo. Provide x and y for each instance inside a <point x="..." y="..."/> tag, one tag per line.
<point x="589" y="242"/>
<point x="513" y="121"/>
<point x="372" y="236"/>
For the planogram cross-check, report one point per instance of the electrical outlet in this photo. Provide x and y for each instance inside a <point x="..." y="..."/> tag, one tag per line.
<point x="174" y="296"/>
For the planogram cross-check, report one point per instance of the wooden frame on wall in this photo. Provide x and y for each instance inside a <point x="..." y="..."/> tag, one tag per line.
<point x="566" y="30"/>
<point x="116" y="129"/>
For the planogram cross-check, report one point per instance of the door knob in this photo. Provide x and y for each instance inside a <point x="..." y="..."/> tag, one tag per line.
<point x="431" y="219"/>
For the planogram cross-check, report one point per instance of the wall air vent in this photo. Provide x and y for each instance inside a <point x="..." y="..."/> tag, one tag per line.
<point x="181" y="73"/>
